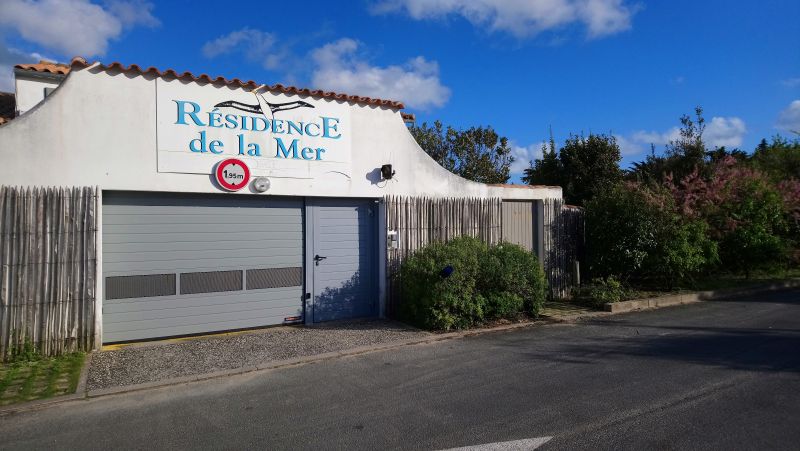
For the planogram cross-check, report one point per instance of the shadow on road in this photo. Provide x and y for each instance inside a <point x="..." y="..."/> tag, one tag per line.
<point x="772" y="346"/>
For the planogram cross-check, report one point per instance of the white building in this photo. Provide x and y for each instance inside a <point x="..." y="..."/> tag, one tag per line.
<point x="226" y="204"/>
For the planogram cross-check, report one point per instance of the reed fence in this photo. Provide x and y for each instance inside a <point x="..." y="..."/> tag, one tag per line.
<point x="48" y="253"/>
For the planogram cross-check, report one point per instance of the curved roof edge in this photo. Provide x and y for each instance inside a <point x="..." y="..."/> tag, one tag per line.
<point x="81" y="63"/>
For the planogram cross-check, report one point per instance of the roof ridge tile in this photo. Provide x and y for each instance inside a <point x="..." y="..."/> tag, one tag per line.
<point x="80" y="62"/>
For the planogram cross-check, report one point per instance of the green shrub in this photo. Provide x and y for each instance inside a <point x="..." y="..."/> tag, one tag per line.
<point x="634" y="231"/>
<point x="503" y="304"/>
<point x="601" y="291"/>
<point x="511" y="269"/>
<point x="486" y="282"/>
<point x="755" y="225"/>
<point x="620" y="231"/>
<point x="432" y="301"/>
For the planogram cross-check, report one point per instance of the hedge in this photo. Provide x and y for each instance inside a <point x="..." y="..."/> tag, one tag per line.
<point x="463" y="282"/>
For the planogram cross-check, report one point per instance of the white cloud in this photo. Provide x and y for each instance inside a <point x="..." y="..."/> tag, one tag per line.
<point x="523" y="155"/>
<point x="256" y="45"/>
<point x="724" y="131"/>
<point x="8" y="58"/>
<point x="640" y="141"/>
<point x="720" y="131"/>
<point x="338" y="66"/>
<point x="789" y="118"/>
<point x="791" y="82"/>
<point x="133" y="12"/>
<point x="522" y="18"/>
<point x="73" y="27"/>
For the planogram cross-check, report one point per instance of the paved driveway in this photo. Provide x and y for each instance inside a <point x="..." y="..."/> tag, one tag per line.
<point x="157" y="361"/>
<point x="714" y="375"/>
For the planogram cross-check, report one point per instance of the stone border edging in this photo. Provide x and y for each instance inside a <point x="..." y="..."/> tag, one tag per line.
<point x="697" y="296"/>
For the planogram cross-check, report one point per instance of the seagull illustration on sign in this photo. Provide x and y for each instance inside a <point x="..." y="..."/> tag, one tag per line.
<point x="263" y="106"/>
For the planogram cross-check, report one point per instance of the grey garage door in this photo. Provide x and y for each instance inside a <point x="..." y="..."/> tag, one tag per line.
<point x="343" y="257"/>
<point x="186" y="264"/>
<point x="519" y="223"/>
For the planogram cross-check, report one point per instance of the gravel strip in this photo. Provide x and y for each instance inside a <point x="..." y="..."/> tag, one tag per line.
<point x="150" y="363"/>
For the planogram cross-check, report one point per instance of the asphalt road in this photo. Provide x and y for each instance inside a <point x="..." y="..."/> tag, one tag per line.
<point x="715" y="375"/>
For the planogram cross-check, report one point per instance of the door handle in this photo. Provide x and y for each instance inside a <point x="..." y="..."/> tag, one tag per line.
<point x="319" y="258"/>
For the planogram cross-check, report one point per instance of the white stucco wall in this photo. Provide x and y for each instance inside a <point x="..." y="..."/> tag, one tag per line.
<point x="30" y="91"/>
<point x="99" y="128"/>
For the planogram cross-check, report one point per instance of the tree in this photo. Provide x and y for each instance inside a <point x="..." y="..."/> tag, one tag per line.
<point x="478" y="153"/>
<point x="780" y="159"/>
<point x="746" y="214"/>
<point x="584" y="166"/>
<point x="635" y="231"/>
<point x="547" y="170"/>
<point x="683" y="155"/>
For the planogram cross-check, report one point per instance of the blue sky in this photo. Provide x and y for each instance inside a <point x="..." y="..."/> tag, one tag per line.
<point x="629" y="68"/>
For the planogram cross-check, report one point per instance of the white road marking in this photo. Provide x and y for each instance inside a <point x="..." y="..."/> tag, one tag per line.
<point x="514" y="445"/>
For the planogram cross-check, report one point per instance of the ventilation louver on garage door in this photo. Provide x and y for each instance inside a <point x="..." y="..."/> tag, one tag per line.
<point x="177" y="265"/>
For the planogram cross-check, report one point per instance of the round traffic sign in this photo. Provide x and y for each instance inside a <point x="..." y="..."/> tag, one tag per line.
<point x="232" y="174"/>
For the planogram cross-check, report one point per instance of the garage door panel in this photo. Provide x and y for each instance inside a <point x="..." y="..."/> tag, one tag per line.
<point x="192" y="265"/>
<point x="202" y="241"/>
<point x="122" y="248"/>
<point x="176" y="314"/>
<point x="174" y="330"/>
<point x="202" y="203"/>
<point x="161" y="302"/>
<point x="117" y="238"/>
<point x="178" y="229"/>
<point x="240" y="250"/>
<point x="198" y="209"/>
<point x="226" y="219"/>
<point x="185" y="318"/>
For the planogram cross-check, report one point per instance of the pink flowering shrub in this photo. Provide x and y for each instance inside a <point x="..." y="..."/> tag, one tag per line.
<point x="745" y="213"/>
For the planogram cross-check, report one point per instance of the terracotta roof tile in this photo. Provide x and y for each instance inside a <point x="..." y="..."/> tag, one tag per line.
<point x="45" y="66"/>
<point x="79" y="62"/>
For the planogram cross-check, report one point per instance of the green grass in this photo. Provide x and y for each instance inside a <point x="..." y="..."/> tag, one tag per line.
<point x="39" y="379"/>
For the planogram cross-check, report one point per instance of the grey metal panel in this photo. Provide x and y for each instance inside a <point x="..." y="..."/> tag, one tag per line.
<point x="192" y="245"/>
<point x="211" y="281"/>
<point x="274" y="278"/>
<point x="518" y="224"/>
<point x="193" y="265"/>
<point x="185" y="234"/>
<point x="274" y="295"/>
<point x="127" y="321"/>
<point x="201" y="236"/>
<point x="345" y="282"/>
<point x="126" y="287"/>
<point x="219" y="324"/>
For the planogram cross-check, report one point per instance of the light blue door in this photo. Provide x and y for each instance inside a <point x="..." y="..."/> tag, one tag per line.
<point x="343" y="258"/>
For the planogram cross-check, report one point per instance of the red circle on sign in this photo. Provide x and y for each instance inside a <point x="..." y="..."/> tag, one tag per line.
<point x="232" y="174"/>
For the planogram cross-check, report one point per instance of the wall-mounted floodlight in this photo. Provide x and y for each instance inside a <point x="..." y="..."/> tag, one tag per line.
<point x="386" y="172"/>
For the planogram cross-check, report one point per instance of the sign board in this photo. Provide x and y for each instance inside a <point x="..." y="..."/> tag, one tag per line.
<point x="232" y="174"/>
<point x="274" y="134"/>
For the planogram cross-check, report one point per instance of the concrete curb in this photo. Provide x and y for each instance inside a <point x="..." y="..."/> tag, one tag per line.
<point x="698" y="296"/>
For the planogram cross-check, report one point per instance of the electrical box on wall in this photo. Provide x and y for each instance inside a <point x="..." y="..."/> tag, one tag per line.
<point x="392" y="241"/>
